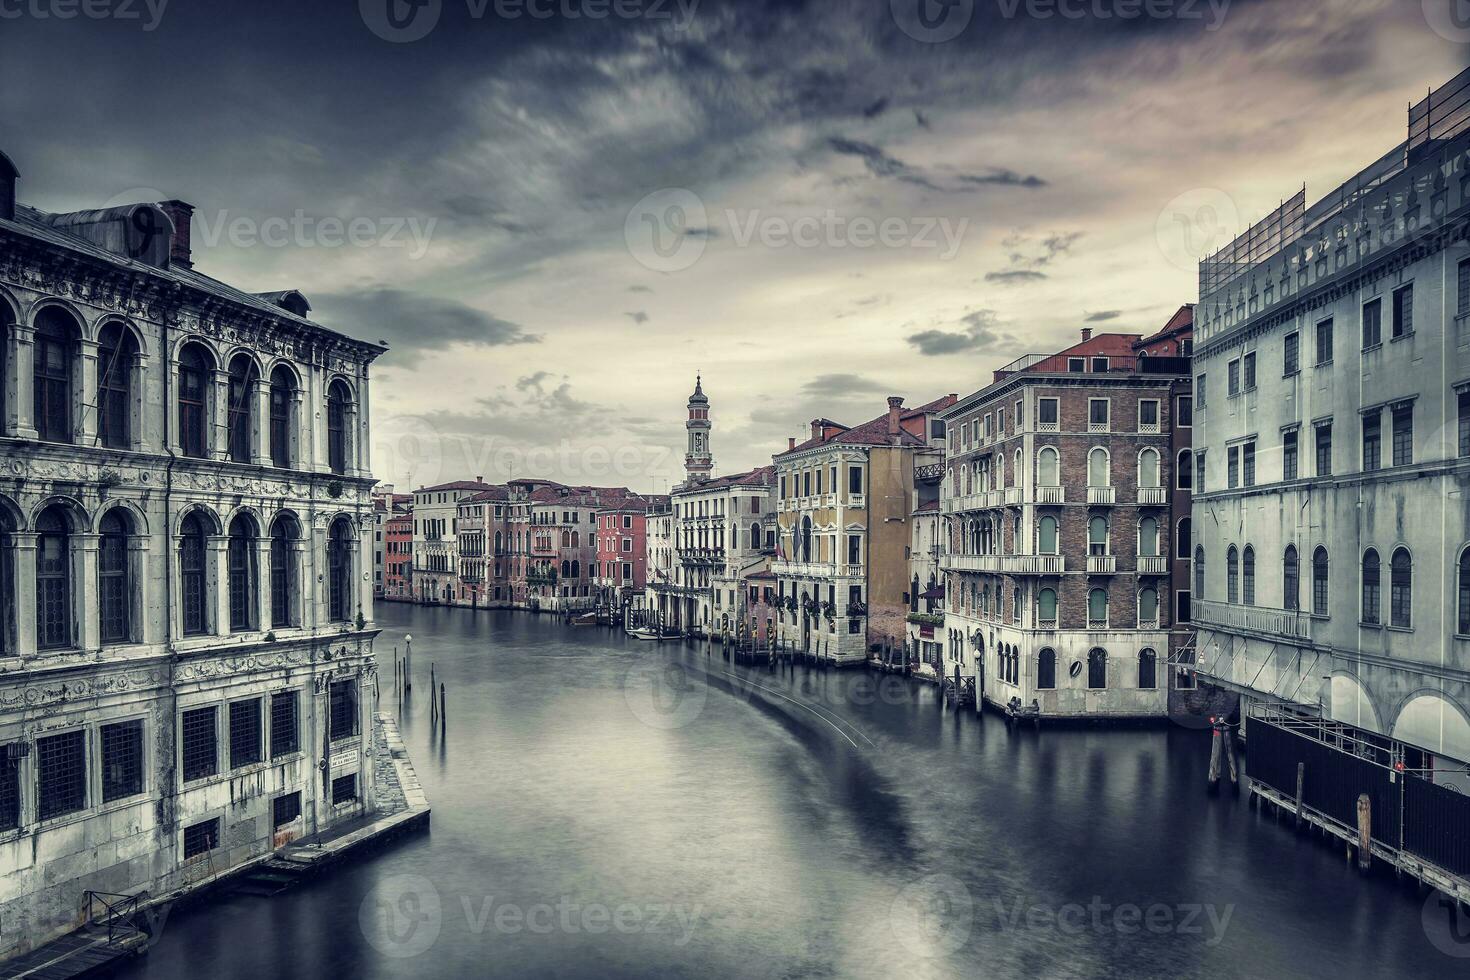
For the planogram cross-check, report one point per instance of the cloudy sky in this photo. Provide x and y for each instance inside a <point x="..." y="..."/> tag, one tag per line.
<point x="558" y="211"/>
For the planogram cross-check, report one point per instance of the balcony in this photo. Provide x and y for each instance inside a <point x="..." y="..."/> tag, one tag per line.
<point x="1152" y="496"/>
<point x="1051" y="495"/>
<point x="804" y="569"/>
<point x="853" y="571"/>
<point x="1048" y="427"/>
<point x="1036" y="564"/>
<point x="1292" y="623"/>
<point x="967" y="563"/>
<point x="857" y="500"/>
<point x="1101" y="496"/>
<point x="1101" y="564"/>
<point x="1013" y="497"/>
<point x="1153" y="565"/>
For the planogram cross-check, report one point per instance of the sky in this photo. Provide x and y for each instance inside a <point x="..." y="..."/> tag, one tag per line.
<point x="557" y="212"/>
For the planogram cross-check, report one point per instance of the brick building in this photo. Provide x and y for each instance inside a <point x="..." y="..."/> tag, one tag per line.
<point x="398" y="552"/>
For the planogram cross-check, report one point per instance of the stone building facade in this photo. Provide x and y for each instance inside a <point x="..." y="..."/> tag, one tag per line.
<point x="186" y="625"/>
<point x="1332" y="566"/>
<point x="436" y="571"/>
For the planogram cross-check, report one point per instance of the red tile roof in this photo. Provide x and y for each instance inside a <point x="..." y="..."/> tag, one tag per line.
<point x="875" y="431"/>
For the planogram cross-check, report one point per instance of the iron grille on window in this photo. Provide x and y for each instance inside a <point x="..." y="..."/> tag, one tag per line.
<point x="244" y="733"/>
<point x="191" y="570"/>
<point x="242" y="393"/>
<point x="61" y="774"/>
<point x="198" y="737"/>
<point x="112" y="580"/>
<point x="344" y="789"/>
<point x="338" y="568"/>
<point x="343" y="709"/>
<point x="240" y="560"/>
<point x="122" y="760"/>
<point x="201" y="838"/>
<point x="53" y="582"/>
<point x="336" y="432"/>
<point x="52" y="380"/>
<point x="285" y="809"/>
<point x="280" y="424"/>
<point x="113" y="398"/>
<point x="284" y="737"/>
<point x="280" y="576"/>
<point x="193" y="393"/>
<point x="9" y="791"/>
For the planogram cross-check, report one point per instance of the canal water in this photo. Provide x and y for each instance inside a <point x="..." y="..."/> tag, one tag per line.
<point x="604" y="807"/>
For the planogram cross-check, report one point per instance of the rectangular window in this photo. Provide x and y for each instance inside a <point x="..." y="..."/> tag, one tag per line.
<point x="854" y="479"/>
<point x="9" y="791"/>
<point x="1291" y="361"/>
<point x="1046" y="412"/>
<point x="245" y="749"/>
<point x="1100" y="364"/>
<point x="61" y="774"/>
<point x="1098" y="412"/>
<point x="1232" y="378"/>
<point x="1372" y="324"/>
<point x="1199" y="472"/>
<point x="1324" y="342"/>
<point x="285" y="809"/>
<point x="1403" y="434"/>
<point x="1199" y="390"/>
<point x="1148" y="416"/>
<point x="122" y="760"/>
<point x="1372" y="441"/>
<point x="1403" y="311"/>
<point x="344" y="789"/>
<point x="197" y="739"/>
<point x="1323" y="434"/>
<point x="854" y="549"/>
<point x="1232" y="467"/>
<point x="1250" y="371"/>
<point x="1462" y="308"/>
<point x="1248" y="462"/>
<point x="201" y="838"/>
<point x="1464" y="423"/>
<point x="1184" y="411"/>
<point x="343" y="709"/>
<point x="1181" y="607"/>
<point x="1289" y="455"/>
<point x="1076" y="365"/>
<point x="285" y="739"/>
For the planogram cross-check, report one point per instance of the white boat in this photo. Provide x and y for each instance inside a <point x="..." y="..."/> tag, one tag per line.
<point x="643" y="633"/>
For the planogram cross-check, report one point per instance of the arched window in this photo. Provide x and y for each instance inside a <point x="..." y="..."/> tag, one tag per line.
<point x="576" y="568"/>
<point x="243" y="375"/>
<point x="1232" y="576"/>
<point x="53" y="580"/>
<point x="117" y="352"/>
<point x="1184" y="470"/>
<point x="1097" y="608"/>
<point x="1148" y="606"/>
<point x="1248" y="568"/>
<point x="1148" y="468"/>
<point x="284" y="533"/>
<point x="1097" y="468"/>
<point x="1046" y="535"/>
<point x="566" y="568"/>
<point x="806" y="539"/>
<point x="194" y="371"/>
<point x="1464" y="591"/>
<point x="339" y="571"/>
<point x="1319" y="582"/>
<point x="1046" y="608"/>
<point x="1046" y="669"/>
<point x="243" y="580"/>
<point x="337" y="438"/>
<point x="1371" y="594"/>
<point x="1148" y="537"/>
<point x="1097" y="536"/>
<point x="755" y="537"/>
<point x="191" y="575"/>
<point x="1016" y="468"/>
<point x="1199" y="572"/>
<point x="1400" y="589"/>
<point x="1290" y="579"/>
<point x="1148" y="670"/>
<point x="1183" y="538"/>
<point x="1047" y="468"/>
<point x="576" y="539"/>
<point x="499" y="542"/>
<point x="114" y="592"/>
<point x="53" y="354"/>
<point x="283" y="396"/>
<point x="1097" y="669"/>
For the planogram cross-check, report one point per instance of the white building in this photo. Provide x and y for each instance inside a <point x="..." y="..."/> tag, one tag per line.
<point x="186" y="599"/>
<point x="436" y="571"/>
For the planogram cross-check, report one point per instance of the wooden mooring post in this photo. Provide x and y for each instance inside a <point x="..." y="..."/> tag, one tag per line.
<point x="443" y="704"/>
<point x="1301" y="781"/>
<point x="1365" y="832"/>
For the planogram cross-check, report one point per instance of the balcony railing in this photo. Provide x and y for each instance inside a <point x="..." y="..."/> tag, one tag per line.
<point x="1153" y="565"/>
<point x="1013" y="497"/>
<point x="1048" y="427"/>
<point x="1100" y="495"/>
<point x="1008" y="564"/>
<point x="856" y="500"/>
<point x="1101" y="564"/>
<point x="853" y="571"/>
<point x="1051" y="495"/>
<point x="1292" y="623"/>
<point x="804" y="569"/>
<point x="1152" y="496"/>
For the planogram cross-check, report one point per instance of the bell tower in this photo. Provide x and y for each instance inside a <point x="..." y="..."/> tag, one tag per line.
<point x="698" y="463"/>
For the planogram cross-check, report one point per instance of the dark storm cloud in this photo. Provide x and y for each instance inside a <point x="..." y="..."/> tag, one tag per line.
<point x="1102" y="316"/>
<point x="637" y="316"/>
<point x="978" y="333"/>
<point x="1013" y="276"/>
<point x="880" y="163"/>
<point x="414" y="324"/>
<point x="839" y="385"/>
<point x="1003" y="177"/>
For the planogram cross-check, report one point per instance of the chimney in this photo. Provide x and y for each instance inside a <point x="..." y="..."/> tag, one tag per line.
<point x="479" y="479"/>
<point x="182" y="215"/>
<point x="790" y="443"/>
<point x="816" y="428"/>
<point x="8" y="178"/>
<point x="1086" y="334"/>
<point x="895" y="407"/>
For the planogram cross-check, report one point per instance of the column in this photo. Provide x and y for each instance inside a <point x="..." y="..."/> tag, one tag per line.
<point x="218" y="429"/>
<point x="142" y="438"/>
<point x="260" y="449"/>
<point x="354" y="444"/>
<point x="362" y="576"/>
<point x="263" y="583"/>
<point x="296" y="450"/>
<point x="21" y="361"/>
<point x="144" y="630"/>
<point x="217" y="584"/>
<point x="85" y="405"/>
<point x="297" y="588"/>
<point x="361" y="428"/>
<point x="84" y="594"/>
<point x="24" y="583"/>
<point x="318" y="578"/>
